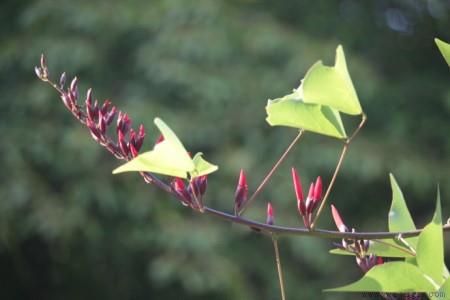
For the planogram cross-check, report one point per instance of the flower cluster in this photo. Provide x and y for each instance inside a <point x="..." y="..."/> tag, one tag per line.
<point x="360" y="248"/>
<point x="306" y="206"/>
<point x="98" y="118"/>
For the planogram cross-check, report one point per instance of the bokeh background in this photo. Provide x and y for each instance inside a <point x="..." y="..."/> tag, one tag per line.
<point x="71" y="230"/>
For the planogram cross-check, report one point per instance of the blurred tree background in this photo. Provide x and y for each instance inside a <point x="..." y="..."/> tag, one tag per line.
<point x="71" y="230"/>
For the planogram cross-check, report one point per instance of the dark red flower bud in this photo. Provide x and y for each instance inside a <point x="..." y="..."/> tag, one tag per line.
<point x="101" y="123"/>
<point x="122" y="144"/>
<point x="202" y="183"/>
<point x="240" y="196"/>
<point x="338" y="220"/>
<point x="140" y="137"/>
<point x="67" y="101"/>
<point x="105" y="107"/>
<point x="317" y="189"/>
<point x="133" y="150"/>
<point x="270" y="218"/>
<point x="110" y="116"/>
<point x="62" y="80"/>
<point x="74" y="88"/>
<point x="297" y="185"/>
<point x="180" y="189"/>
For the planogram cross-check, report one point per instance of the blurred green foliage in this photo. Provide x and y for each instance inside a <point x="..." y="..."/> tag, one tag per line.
<point x="71" y="230"/>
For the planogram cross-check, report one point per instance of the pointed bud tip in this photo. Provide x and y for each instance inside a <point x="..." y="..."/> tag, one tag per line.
<point x="318" y="189"/>
<point x="297" y="185"/>
<point x="338" y="220"/>
<point x="270" y="217"/>
<point x="242" y="179"/>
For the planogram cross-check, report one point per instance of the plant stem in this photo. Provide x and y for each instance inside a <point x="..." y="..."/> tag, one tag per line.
<point x="328" y="234"/>
<point x="338" y="167"/>
<point x="278" y="263"/>
<point x="272" y="170"/>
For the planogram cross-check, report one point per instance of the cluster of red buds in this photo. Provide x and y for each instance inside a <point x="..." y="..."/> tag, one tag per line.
<point x="98" y="117"/>
<point x="306" y="207"/>
<point x="360" y="248"/>
<point x="240" y="196"/>
<point x="192" y="193"/>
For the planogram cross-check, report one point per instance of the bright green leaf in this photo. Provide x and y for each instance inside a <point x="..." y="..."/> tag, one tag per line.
<point x="430" y="248"/>
<point x="168" y="158"/>
<point x="202" y="167"/>
<point x="443" y="292"/>
<point x="293" y="112"/>
<point x="392" y="277"/>
<point x="384" y="248"/>
<point x="399" y="216"/>
<point x="444" y="48"/>
<point x="332" y="86"/>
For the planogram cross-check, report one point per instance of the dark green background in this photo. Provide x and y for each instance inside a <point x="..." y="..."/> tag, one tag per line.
<point x="71" y="230"/>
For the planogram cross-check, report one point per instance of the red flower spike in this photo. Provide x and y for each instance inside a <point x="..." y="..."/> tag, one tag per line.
<point x="240" y="196"/>
<point x="338" y="220"/>
<point x="270" y="218"/>
<point x="297" y="185"/>
<point x="318" y="189"/>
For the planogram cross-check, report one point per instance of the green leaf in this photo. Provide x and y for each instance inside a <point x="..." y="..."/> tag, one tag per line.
<point x="443" y="292"/>
<point x="332" y="86"/>
<point x="168" y="158"/>
<point x="399" y="216"/>
<point x="430" y="248"/>
<point x="384" y="248"/>
<point x="444" y="48"/>
<point x="293" y="112"/>
<point x="202" y="167"/>
<point x="392" y="277"/>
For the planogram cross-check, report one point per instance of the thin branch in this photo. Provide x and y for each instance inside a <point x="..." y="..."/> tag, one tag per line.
<point x="274" y="168"/>
<point x="338" y="167"/>
<point x="278" y="263"/>
<point x="328" y="234"/>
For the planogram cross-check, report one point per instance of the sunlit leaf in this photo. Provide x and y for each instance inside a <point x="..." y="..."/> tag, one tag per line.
<point x="444" y="48"/>
<point x="430" y="247"/>
<point x="331" y="86"/>
<point x="293" y="112"/>
<point x="399" y="217"/>
<point x="392" y="277"/>
<point x="202" y="167"/>
<point x="384" y="248"/>
<point x="168" y="157"/>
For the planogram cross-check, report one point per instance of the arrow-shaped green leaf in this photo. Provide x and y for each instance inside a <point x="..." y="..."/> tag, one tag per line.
<point x="430" y="247"/>
<point x="293" y="112"/>
<point x="392" y="277"/>
<point x="168" y="158"/>
<point x="444" y="48"/>
<point x="399" y="217"/>
<point x="332" y="86"/>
